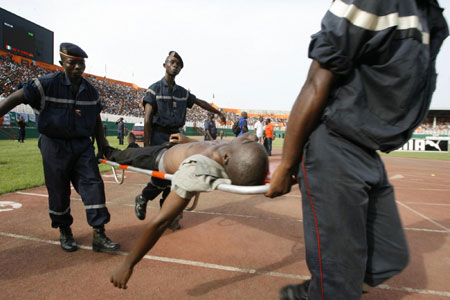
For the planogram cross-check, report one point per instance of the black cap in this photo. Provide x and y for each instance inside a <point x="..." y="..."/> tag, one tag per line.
<point x="71" y="50"/>
<point x="175" y="54"/>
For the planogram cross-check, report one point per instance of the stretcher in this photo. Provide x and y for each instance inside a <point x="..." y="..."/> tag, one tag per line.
<point x="230" y="188"/>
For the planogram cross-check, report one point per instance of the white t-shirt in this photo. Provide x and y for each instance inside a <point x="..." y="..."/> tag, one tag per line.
<point x="259" y="126"/>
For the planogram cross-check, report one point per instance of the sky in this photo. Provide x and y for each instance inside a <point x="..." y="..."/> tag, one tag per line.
<point x="247" y="54"/>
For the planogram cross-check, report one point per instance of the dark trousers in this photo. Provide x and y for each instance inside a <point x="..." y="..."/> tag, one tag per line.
<point x="72" y="161"/>
<point x="120" y="136"/>
<point x="352" y="228"/>
<point x="268" y="145"/>
<point x="156" y="185"/>
<point x="21" y="136"/>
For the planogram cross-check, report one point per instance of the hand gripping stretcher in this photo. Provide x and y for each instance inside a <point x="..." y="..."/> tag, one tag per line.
<point x="230" y="188"/>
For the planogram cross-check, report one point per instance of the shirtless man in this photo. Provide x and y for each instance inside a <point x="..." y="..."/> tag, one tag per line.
<point x="198" y="167"/>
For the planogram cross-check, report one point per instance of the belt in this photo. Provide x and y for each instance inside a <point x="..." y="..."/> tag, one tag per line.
<point x="166" y="129"/>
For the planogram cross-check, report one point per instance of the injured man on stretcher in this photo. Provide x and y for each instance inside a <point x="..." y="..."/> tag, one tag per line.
<point x="197" y="167"/>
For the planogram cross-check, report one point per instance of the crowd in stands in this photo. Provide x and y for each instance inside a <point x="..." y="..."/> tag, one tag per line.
<point x="124" y="100"/>
<point x="439" y="127"/>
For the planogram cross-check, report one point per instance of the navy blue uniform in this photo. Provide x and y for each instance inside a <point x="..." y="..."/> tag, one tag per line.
<point x="384" y="55"/>
<point x="169" y="104"/>
<point x="66" y="121"/>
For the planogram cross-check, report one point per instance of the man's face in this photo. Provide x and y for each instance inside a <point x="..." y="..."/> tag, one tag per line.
<point x="172" y="65"/>
<point x="261" y="119"/>
<point x="74" y="67"/>
<point x="211" y="116"/>
<point x="244" y="115"/>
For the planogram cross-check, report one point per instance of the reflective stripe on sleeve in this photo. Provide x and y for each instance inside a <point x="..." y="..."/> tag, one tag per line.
<point x="369" y="21"/>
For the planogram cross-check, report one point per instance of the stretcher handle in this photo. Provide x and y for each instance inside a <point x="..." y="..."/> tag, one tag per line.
<point x="116" y="178"/>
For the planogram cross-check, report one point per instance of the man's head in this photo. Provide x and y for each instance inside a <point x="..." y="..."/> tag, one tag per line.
<point x="244" y="115"/>
<point x="72" y="60"/>
<point x="261" y="118"/>
<point x="173" y="63"/>
<point x="210" y="115"/>
<point x="267" y="120"/>
<point x="245" y="160"/>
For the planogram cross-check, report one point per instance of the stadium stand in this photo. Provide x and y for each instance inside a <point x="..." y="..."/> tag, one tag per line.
<point x="122" y="99"/>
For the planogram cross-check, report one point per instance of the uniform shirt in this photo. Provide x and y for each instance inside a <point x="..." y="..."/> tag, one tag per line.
<point x="169" y="104"/>
<point x="120" y="128"/>
<point x="384" y="53"/>
<point x="210" y="126"/>
<point x="60" y="112"/>
<point x="198" y="173"/>
<point x="269" y="131"/>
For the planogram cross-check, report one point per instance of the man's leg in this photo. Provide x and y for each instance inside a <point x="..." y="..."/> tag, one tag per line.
<point x="388" y="249"/>
<point x="88" y="182"/>
<point x="56" y="158"/>
<point x="335" y="180"/>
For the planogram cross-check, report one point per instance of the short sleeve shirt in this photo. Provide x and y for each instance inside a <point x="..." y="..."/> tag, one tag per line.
<point x="242" y="124"/>
<point x="198" y="173"/>
<point x="384" y="54"/>
<point x="169" y="104"/>
<point x="269" y="131"/>
<point x="60" y="112"/>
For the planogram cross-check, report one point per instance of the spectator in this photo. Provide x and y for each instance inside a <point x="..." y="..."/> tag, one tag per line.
<point x="268" y="137"/>
<point x="210" y="128"/>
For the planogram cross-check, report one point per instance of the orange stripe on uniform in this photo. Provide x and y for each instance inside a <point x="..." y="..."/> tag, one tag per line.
<point x="123" y="167"/>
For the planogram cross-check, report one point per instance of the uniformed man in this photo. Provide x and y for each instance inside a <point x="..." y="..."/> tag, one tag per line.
<point x="210" y="128"/>
<point x="369" y="86"/>
<point x="68" y="114"/>
<point x="165" y="106"/>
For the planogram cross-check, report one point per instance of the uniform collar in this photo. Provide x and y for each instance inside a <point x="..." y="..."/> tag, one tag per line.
<point x="166" y="84"/>
<point x="66" y="81"/>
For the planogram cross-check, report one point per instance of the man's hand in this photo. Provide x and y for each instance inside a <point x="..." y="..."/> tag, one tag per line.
<point x="222" y="118"/>
<point x="280" y="183"/>
<point x="121" y="276"/>
<point x="178" y="138"/>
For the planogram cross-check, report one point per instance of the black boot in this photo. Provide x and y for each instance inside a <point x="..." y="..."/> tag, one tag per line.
<point x="140" y="207"/>
<point x="295" y="292"/>
<point x="68" y="244"/>
<point x="101" y="243"/>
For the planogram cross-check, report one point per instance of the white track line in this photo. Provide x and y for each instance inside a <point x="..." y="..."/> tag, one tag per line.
<point x="172" y="260"/>
<point x="423" y="216"/>
<point x="227" y="268"/>
<point x="258" y="217"/>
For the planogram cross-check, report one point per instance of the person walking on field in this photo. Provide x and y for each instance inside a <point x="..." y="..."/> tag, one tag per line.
<point x="165" y="104"/>
<point x="259" y="129"/>
<point x="369" y="86"/>
<point x="22" y="124"/>
<point x="268" y="136"/>
<point x="68" y="109"/>
<point x="210" y="128"/>
<point x="120" y="130"/>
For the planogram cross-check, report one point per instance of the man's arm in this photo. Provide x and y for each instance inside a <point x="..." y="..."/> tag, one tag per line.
<point x="307" y="109"/>
<point x="16" y="98"/>
<point x="100" y="135"/>
<point x="148" y="115"/>
<point x="245" y="126"/>
<point x="171" y="208"/>
<point x="206" y="106"/>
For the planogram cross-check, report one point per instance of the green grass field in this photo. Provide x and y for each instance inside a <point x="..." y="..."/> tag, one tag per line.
<point x="21" y="164"/>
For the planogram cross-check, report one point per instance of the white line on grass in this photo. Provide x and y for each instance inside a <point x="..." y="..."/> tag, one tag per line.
<point x="226" y="268"/>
